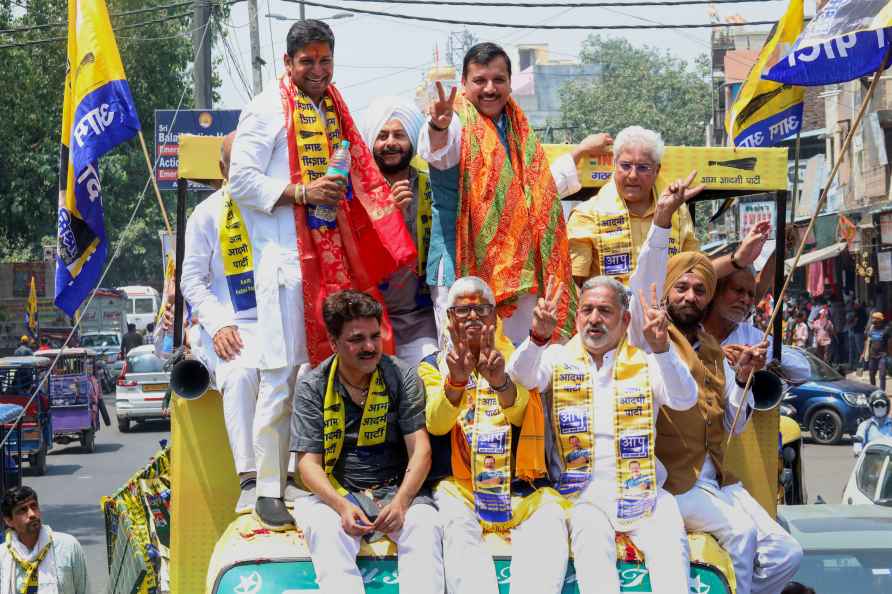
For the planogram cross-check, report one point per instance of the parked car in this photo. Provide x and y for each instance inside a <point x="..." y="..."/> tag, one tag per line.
<point x="139" y="393"/>
<point x="828" y="405"/>
<point x="871" y="478"/>
<point x="847" y="548"/>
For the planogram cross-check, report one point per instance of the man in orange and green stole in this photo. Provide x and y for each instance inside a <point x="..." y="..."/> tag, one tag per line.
<point x="496" y="201"/>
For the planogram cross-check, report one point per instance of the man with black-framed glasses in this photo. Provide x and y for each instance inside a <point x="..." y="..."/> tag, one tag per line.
<point x="606" y="232"/>
<point x="487" y="441"/>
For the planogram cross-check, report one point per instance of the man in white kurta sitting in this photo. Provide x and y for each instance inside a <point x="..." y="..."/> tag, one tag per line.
<point x="221" y="293"/>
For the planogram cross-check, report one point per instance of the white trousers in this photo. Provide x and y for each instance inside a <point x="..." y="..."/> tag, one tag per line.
<point x="419" y="549"/>
<point x="272" y="429"/>
<point x="661" y="538"/>
<point x="777" y="553"/>
<point x="239" y="387"/>
<point x="516" y="327"/>
<point x="743" y="528"/>
<point x="539" y="551"/>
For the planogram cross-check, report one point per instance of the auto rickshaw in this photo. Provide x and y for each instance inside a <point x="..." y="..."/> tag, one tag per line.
<point x="10" y="469"/>
<point x="75" y="397"/>
<point x="32" y="438"/>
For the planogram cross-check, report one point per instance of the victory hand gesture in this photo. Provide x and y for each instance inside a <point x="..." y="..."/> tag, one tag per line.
<point x="441" y="109"/>
<point x="491" y="363"/>
<point x="459" y="359"/>
<point x="545" y="315"/>
<point x="656" y="321"/>
<point x="676" y="194"/>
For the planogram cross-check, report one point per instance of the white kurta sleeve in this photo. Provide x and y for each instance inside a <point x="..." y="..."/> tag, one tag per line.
<point x="673" y="384"/>
<point x="195" y="282"/>
<point x="447" y="156"/>
<point x="651" y="269"/>
<point x="530" y="366"/>
<point x="260" y="133"/>
<point x="734" y="398"/>
<point x="566" y="177"/>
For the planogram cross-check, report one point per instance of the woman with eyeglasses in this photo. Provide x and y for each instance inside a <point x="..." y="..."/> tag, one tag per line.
<point x="879" y="424"/>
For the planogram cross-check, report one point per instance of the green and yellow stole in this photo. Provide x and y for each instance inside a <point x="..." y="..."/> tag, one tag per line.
<point x="633" y="413"/>
<point x="372" y="427"/>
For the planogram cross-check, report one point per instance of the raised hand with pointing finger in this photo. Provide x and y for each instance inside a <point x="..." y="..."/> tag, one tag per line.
<point x="675" y="194"/>
<point x="656" y="321"/>
<point x="545" y="315"/>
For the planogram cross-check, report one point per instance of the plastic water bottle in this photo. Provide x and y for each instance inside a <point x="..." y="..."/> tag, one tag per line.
<point x="338" y="164"/>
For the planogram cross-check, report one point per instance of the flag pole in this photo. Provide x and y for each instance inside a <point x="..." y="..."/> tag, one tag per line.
<point x="795" y="180"/>
<point x="814" y="217"/>
<point x="145" y="152"/>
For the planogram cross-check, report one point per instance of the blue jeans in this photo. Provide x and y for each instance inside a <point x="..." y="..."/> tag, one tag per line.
<point x="856" y="347"/>
<point x="877" y="364"/>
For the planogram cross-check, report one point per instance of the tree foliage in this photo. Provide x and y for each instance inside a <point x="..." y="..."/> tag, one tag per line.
<point x="157" y="58"/>
<point x="639" y="86"/>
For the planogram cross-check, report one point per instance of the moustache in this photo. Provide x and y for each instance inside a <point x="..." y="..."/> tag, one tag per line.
<point x="392" y="151"/>
<point x="599" y="327"/>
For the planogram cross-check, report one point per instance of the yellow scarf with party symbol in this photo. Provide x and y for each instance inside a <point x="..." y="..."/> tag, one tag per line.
<point x="372" y="427"/>
<point x="633" y="412"/>
<point x="613" y="233"/>
<point x="30" y="584"/>
<point x="315" y="141"/>
<point x="238" y="257"/>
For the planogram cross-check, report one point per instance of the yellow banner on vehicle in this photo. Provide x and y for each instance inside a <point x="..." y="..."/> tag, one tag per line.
<point x="720" y="168"/>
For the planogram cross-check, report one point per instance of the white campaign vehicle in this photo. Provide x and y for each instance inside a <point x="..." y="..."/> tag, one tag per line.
<point x="871" y="479"/>
<point x="144" y="304"/>
<point x="139" y="393"/>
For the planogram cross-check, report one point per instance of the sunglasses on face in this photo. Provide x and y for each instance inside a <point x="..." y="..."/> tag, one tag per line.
<point x="640" y="168"/>
<point x="463" y="311"/>
<point x="880" y="406"/>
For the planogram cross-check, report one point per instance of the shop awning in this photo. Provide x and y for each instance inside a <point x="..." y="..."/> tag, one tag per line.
<point x="831" y="251"/>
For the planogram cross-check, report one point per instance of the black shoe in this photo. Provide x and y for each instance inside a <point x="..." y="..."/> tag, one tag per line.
<point x="271" y="512"/>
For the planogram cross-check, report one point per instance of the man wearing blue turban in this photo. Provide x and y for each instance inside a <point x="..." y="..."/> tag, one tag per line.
<point x="390" y="128"/>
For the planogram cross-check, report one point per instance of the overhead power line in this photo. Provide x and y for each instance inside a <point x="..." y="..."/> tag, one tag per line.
<point x="341" y="7"/>
<point x="119" y="28"/>
<point x="560" y="4"/>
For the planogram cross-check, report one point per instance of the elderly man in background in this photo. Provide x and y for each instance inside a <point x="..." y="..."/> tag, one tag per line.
<point x="218" y="234"/>
<point x="606" y="232"/>
<point x="488" y="450"/>
<point x="391" y="128"/>
<point x="497" y="212"/>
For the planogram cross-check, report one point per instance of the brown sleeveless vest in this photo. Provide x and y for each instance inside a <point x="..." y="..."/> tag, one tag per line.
<point x="684" y="438"/>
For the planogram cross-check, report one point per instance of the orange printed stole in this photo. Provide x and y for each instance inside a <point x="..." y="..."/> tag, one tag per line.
<point x="510" y="225"/>
<point x="370" y="240"/>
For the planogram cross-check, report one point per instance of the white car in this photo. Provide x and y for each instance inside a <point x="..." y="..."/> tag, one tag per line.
<point x="871" y="479"/>
<point x="139" y="393"/>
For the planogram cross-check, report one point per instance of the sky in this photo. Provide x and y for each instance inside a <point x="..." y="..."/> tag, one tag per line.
<point x="387" y="56"/>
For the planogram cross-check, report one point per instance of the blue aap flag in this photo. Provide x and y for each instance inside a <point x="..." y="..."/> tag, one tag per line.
<point x="846" y="40"/>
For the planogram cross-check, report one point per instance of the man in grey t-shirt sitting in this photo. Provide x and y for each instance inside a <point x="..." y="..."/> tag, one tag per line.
<point x="358" y="428"/>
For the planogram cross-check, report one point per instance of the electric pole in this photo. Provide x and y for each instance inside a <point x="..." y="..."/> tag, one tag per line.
<point x="201" y="48"/>
<point x="303" y="14"/>
<point x="256" y="61"/>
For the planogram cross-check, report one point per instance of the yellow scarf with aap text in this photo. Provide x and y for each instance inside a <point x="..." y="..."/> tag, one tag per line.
<point x="633" y="413"/>
<point x="316" y="140"/>
<point x="372" y="427"/>
<point x="613" y="233"/>
<point x="237" y="254"/>
<point x="30" y="583"/>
